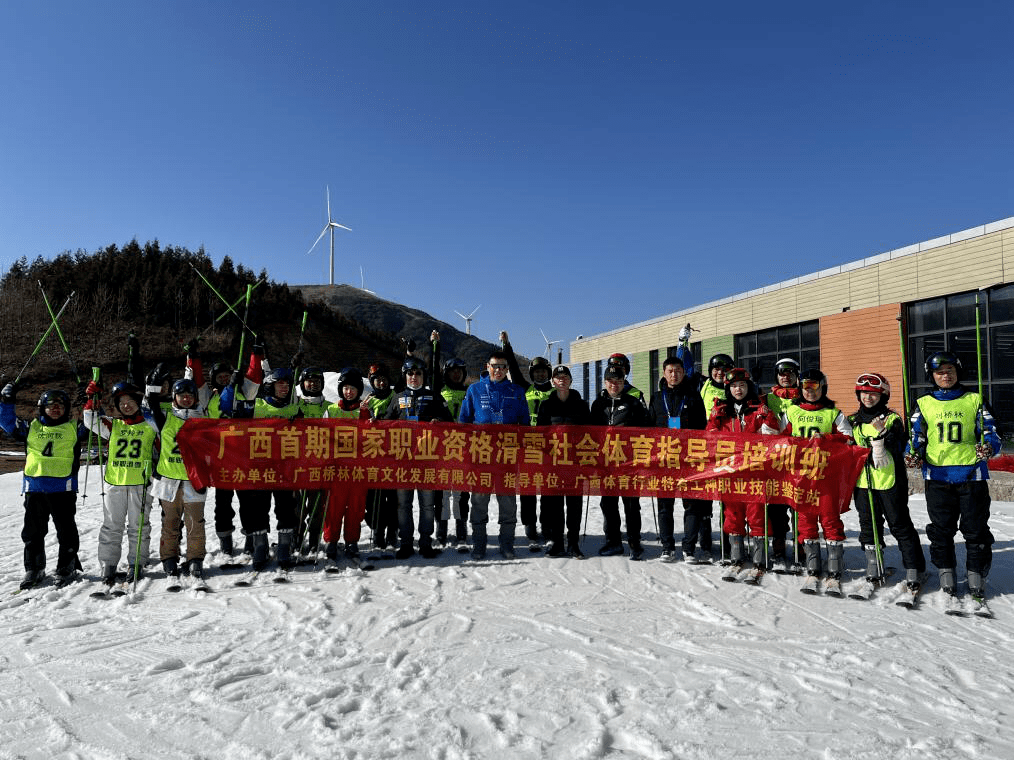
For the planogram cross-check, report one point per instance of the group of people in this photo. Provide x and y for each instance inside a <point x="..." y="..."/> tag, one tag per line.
<point x="950" y="436"/>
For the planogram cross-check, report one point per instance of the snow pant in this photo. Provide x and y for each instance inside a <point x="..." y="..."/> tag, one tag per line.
<point x="610" y="506"/>
<point x="224" y="513"/>
<point x="346" y="506"/>
<point x="553" y="518"/>
<point x="255" y="510"/>
<point x="507" y="506"/>
<point x="406" y="528"/>
<point x="891" y="504"/>
<point x="965" y="507"/>
<point x="696" y="525"/>
<point x="310" y="517"/>
<point x="529" y="515"/>
<point x="62" y="507"/>
<point x="739" y="514"/>
<point x="830" y="522"/>
<point x="382" y="515"/>
<point x="191" y="514"/>
<point x="124" y="504"/>
<point x="779" y="521"/>
<point x="455" y="504"/>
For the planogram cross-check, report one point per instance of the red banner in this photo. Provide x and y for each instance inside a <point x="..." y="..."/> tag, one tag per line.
<point x="323" y="454"/>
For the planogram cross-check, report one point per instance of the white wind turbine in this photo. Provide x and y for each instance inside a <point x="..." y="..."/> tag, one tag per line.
<point x="468" y="319"/>
<point x="331" y="225"/>
<point x="549" y="345"/>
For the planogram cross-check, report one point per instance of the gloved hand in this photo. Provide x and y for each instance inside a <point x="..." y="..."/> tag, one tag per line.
<point x="983" y="451"/>
<point x="192" y="347"/>
<point x="93" y="389"/>
<point x="409" y="346"/>
<point x="159" y="375"/>
<point x="684" y="333"/>
<point x="912" y="461"/>
<point x="9" y="394"/>
<point x="81" y="397"/>
<point x="297" y="360"/>
<point x="236" y="379"/>
<point x="504" y="340"/>
<point x="133" y="343"/>
<point x="259" y="349"/>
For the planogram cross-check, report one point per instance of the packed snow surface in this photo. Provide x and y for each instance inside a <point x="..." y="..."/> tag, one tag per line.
<point x="533" y="658"/>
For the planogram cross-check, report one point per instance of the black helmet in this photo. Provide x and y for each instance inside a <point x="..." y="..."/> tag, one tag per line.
<point x="379" y="370"/>
<point x="54" y="396"/>
<point x="280" y="375"/>
<point x="125" y="389"/>
<point x="621" y="361"/>
<point x="537" y="363"/>
<point x="786" y="364"/>
<point x="350" y="376"/>
<point x="738" y="374"/>
<point x="185" y="385"/>
<point x="217" y="369"/>
<point x="413" y="364"/>
<point x="720" y="360"/>
<point x="455" y="363"/>
<point x="311" y="373"/>
<point x="814" y="376"/>
<point x="939" y="358"/>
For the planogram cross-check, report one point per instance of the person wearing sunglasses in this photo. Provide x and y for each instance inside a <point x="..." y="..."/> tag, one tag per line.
<point x="884" y="480"/>
<point x="494" y="400"/>
<point x="814" y="415"/>
<point x="953" y="434"/>
<point x="742" y="411"/>
<point x="417" y="403"/>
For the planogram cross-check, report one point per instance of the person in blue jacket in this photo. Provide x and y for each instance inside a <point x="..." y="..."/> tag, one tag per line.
<point x="494" y="400"/>
<point x="953" y="435"/>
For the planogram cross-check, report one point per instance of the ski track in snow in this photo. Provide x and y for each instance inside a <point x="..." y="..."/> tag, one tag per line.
<point x="540" y="657"/>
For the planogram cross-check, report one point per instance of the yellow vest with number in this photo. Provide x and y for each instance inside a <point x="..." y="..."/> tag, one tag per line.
<point x="950" y="429"/>
<point x="129" y="453"/>
<point x="805" y="423"/>
<point x="49" y="450"/>
<point x="883" y="477"/>
<point x="170" y="462"/>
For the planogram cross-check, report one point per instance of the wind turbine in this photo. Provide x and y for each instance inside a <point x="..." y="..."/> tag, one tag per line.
<point x="549" y="345"/>
<point x="468" y="319"/>
<point x="331" y="225"/>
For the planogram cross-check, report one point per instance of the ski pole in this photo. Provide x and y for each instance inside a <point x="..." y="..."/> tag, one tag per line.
<point x="230" y="309"/>
<point x="96" y="375"/>
<point x="242" y="341"/>
<point x="140" y="524"/>
<point x="978" y="359"/>
<point x="721" y="531"/>
<point x="904" y="366"/>
<point x="221" y="298"/>
<point x="766" y="558"/>
<point x="299" y="350"/>
<point x="59" y="333"/>
<point x="587" y="509"/>
<point x="654" y="514"/>
<point x="45" y="335"/>
<point x="873" y="517"/>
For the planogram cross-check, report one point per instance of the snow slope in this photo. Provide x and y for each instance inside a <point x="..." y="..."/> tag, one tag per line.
<point x="555" y="658"/>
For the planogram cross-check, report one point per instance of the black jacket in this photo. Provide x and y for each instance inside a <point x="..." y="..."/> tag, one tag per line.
<point x="422" y="405"/>
<point x="624" y="410"/>
<point x="683" y="401"/>
<point x="573" y="411"/>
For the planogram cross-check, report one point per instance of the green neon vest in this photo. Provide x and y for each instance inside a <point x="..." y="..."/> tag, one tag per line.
<point x="805" y="423"/>
<point x="535" y="398"/>
<point x="49" y="450"/>
<point x="170" y="462"/>
<point x="777" y="404"/>
<point x="950" y="429"/>
<point x="883" y="477"/>
<point x="214" y="407"/>
<point x="378" y="406"/>
<point x="454" y="399"/>
<point x="711" y="391"/>
<point x="129" y="453"/>
<point x="263" y="409"/>
<point x="335" y="411"/>
<point x="312" y="411"/>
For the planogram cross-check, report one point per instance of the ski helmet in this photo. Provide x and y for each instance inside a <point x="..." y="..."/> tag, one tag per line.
<point x="455" y="363"/>
<point x="311" y="373"/>
<point x="57" y="397"/>
<point x="125" y="389"/>
<point x="540" y="362"/>
<point x="723" y="361"/>
<point x="939" y="358"/>
<point x="280" y="375"/>
<point x="812" y="376"/>
<point x="412" y="364"/>
<point x="351" y="376"/>
<point x="872" y="382"/>
<point x="739" y="375"/>
<point x="217" y="369"/>
<point x="185" y="385"/>
<point x="379" y="370"/>
<point x="621" y="361"/>
<point x="786" y="365"/>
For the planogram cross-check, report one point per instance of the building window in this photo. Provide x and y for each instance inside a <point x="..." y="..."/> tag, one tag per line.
<point x="948" y="324"/>
<point x="758" y="351"/>
<point x="652" y="371"/>
<point x="585" y="380"/>
<point x="597" y="381"/>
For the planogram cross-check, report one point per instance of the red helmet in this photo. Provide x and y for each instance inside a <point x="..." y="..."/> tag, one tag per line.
<point x="873" y="382"/>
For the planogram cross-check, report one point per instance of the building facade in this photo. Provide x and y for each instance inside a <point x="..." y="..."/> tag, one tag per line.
<point x="849" y="319"/>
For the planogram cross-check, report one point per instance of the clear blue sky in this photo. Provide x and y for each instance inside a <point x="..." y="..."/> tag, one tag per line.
<point x="570" y="166"/>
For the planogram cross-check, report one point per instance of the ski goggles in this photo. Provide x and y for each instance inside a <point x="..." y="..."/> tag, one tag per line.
<point x="786" y="370"/>
<point x="735" y="375"/>
<point x="810" y="385"/>
<point x="870" y="382"/>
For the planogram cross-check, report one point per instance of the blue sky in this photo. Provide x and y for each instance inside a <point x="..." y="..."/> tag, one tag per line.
<point x="570" y="166"/>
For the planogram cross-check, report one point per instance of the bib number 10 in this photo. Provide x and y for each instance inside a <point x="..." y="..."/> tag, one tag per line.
<point x="949" y="432"/>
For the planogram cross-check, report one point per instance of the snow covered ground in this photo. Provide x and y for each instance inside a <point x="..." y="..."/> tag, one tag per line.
<point x="536" y="658"/>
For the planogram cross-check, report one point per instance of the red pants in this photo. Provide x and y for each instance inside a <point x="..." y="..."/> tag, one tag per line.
<point x="830" y="521"/>
<point x="739" y="513"/>
<point x="344" y="504"/>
